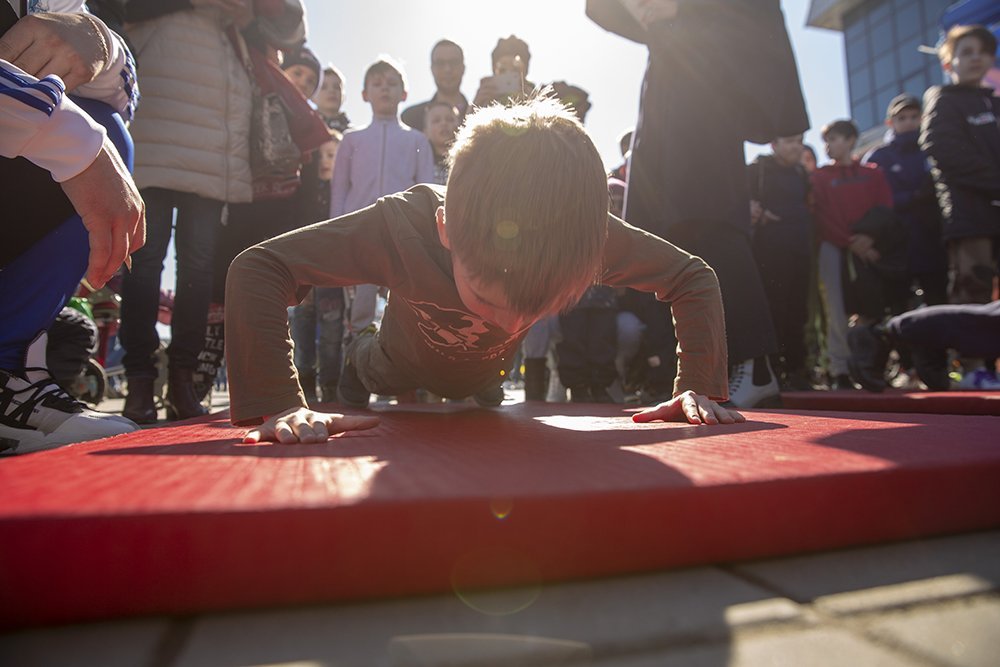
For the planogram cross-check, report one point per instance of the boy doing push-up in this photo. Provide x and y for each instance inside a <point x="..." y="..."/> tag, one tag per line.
<point x="521" y="232"/>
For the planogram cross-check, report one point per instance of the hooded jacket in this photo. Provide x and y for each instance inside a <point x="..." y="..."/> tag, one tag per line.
<point x="908" y="171"/>
<point x="961" y="135"/>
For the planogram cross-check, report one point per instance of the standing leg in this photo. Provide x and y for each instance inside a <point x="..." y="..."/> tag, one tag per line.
<point x="836" y="315"/>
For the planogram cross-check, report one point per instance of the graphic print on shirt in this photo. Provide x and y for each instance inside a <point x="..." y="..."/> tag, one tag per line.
<point x="457" y="335"/>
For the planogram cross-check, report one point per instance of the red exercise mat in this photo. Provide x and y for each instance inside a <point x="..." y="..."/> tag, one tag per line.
<point x="930" y="402"/>
<point x="185" y="519"/>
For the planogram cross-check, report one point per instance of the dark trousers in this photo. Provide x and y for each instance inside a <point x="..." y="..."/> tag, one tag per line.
<point x="195" y="234"/>
<point x="783" y="261"/>
<point x="973" y="329"/>
<point x="588" y="348"/>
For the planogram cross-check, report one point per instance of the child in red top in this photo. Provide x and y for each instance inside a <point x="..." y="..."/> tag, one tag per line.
<point x="843" y="193"/>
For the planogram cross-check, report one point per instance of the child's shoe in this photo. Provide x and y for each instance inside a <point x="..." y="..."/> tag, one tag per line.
<point x="580" y="394"/>
<point x="599" y="394"/>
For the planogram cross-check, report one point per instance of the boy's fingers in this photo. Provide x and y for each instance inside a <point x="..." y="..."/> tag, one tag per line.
<point x="342" y="423"/>
<point x="284" y="434"/>
<point x="320" y="431"/>
<point x="252" y="437"/>
<point x="707" y="413"/>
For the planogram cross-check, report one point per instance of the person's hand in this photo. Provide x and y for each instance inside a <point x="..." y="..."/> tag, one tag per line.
<point x="863" y="246"/>
<point x="106" y="198"/>
<point x="756" y="211"/>
<point x="691" y="407"/>
<point x="304" y="425"/>
<point x="71" y="46"/>
<point x="486" y="93"/>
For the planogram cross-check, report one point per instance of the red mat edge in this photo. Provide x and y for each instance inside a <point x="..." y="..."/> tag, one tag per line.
<point x="67" y="570"/>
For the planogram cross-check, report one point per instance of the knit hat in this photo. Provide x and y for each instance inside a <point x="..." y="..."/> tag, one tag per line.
<point x="306" y="58"/>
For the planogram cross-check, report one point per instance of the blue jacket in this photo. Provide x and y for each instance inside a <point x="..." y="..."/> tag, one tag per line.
<point x="909" y="174"/>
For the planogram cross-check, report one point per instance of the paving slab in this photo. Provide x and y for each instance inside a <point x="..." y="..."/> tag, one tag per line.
<point x="963" y="633"/>
<point x="622" y="614"/>
<point x="818" y="647"/>
<point x="887" y="576"/>
<point x="113" y="644"/>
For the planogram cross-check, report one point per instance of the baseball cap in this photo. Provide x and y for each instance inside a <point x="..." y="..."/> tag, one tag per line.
<point x="900" y="102"/>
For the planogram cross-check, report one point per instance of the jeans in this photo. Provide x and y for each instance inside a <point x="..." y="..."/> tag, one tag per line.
<point x="322" y="309"/>
<point x="197" y="227"/>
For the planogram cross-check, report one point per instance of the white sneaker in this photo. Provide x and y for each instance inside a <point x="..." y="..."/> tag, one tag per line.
<point x="36" y="413"/>
<point x="743" y="393"/>
<point x="980" y="379"/>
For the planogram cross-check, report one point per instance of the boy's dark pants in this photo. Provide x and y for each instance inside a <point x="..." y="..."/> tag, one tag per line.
<point x="588" y="347"/>
<point x="783" y="258"/>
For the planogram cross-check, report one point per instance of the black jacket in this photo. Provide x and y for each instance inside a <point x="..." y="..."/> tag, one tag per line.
<point x="718" y="74"/>
<point x="784" y="191"/>
<point x="961" y="135"/>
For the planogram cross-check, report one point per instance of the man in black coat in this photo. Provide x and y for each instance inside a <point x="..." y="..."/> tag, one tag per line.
<point x="719" y="73"/>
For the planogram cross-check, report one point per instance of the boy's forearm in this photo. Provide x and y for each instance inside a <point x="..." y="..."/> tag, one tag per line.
<point x="699" y="324"/>
<point x="262" y="377"/>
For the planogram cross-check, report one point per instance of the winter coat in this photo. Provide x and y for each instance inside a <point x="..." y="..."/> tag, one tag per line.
<point x="961" y="135"/>
<point x="192" y="130"/>
<point x="719" y="73"/>
<point x="784" y="191"/>
<point x="909" y="174"/>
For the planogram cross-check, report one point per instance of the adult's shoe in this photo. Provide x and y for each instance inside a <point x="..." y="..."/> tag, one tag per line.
<point x="753" y="385"/>
<point x="37" y="414"/>
<point x="140" y="406"/>
<point x="182" y="399"/>
<point x="869" y="353"/>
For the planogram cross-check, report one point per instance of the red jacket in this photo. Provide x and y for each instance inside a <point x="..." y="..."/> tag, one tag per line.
<point x="842" y="195"/>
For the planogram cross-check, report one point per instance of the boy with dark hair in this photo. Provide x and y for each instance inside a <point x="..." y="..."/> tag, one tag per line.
<point x="779" y="212"/>
<point x="523" y="231"/>
<point x="377" y="160"/>
<point x="906" y="168"/>
<point x="961" y="135"/>
<point x="844" y="192"/>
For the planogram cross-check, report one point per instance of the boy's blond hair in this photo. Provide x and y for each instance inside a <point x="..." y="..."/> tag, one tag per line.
<point x="527" y="203"/>
<point x="960" y="32"/>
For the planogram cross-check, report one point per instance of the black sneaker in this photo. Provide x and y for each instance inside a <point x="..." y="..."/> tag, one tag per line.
<point x="580" y="394"/>
<point x="869" y="353"/>
<point x="36" y="413"/>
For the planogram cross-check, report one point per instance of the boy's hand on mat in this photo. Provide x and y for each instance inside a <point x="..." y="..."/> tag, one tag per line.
<point x="691" y="407"/>
<point x="305" y="425"/>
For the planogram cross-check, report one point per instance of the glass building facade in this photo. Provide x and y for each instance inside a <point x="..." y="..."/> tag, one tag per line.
<point x="881" y="40"/>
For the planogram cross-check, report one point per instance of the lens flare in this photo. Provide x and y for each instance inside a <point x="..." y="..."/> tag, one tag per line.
<point x="479" y="579"/>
